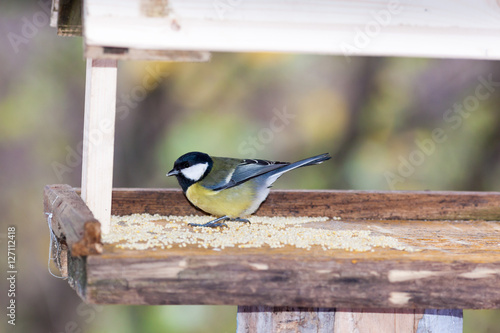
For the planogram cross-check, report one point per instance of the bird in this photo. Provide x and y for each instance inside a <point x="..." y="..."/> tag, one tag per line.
<point x="230" y="188"/>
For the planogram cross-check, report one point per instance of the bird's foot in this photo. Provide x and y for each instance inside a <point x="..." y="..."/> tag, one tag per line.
<point x="240" y="220"/>
<point x="218" y="222"/>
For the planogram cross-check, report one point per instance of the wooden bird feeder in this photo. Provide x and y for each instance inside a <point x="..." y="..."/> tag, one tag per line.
<point x="455" y="236"/>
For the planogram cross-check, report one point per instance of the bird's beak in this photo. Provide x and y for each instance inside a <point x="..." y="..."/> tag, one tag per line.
<point x="172" y="172"/>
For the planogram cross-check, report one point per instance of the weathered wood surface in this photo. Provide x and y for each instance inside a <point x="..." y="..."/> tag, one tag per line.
<point x="71" y="220"/>
<point x="364" y="205"/>
<point x="291" y="277"/>
<point x="328" y="320"/>
<point x="382" y="28"/>
<point x="69" y="17"/>
<point x="456" y="263"/>
<point x="285" y="319"/>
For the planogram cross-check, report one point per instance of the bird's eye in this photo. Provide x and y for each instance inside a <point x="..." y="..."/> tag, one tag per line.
<point x="185" y="165"/>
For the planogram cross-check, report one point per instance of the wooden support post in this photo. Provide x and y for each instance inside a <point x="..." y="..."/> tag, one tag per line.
<point x="98" y="138"/>
<point x="289" y="319"/>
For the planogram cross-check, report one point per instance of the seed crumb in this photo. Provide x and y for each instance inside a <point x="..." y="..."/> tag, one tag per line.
<point x="145" y="231"/>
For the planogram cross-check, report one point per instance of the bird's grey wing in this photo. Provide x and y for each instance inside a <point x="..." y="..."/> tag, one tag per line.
<point x="248" y="169"/>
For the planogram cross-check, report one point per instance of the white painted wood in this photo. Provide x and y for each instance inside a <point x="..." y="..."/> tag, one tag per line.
<point x="98" y="138"/>
<point x="54" y="13"/>
<point x="445" y="28"/>
<point x="441" y="321"/>
<point x="399" y="320"/>
<point x="288" y="319"/>
<point x="285" y="319"/>
<point x="98" y="52"/>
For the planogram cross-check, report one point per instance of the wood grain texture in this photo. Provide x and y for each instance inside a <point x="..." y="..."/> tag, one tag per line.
<point x="378" y="320"/>
<point x="455" y="262"/>
<point x="54" y="13"/>
<point x="285" y="319"/>
<point x="394" y="321"/>
<point x="327" y="320"/>
<point x="77" y="274"/>
<point x="359" y="205"/>
<point x="381" y="28"/>
<point x="69" y="17"/>
<point x="126" y="53"/>
<point x="71" y="220"/>
<point x="98" y="138"/>
<point x="288" y="277"/>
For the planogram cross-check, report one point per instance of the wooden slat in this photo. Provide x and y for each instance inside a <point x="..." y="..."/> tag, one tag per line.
<point x="69" y="17"/>
<point x="125" y="53"/>
<point x="99" y="138"/>
<point x="290" y="277"/>
<point x="286" y="319"/>
<point x="71" y="221"/>
<point x="455" y="263"/>
<point x="385" y="278"/>
<point x="389" y="28"/>
<point x="327" y="320"/>
<point x="395" y="321"/>
<point x="364" y="205"/>
<point x="54" y="13"/>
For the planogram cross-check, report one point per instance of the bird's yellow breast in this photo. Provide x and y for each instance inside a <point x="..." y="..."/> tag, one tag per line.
<point x="232" y="202"/>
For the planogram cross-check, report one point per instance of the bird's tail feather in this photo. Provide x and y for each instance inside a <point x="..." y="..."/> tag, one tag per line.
<point x="305" y="162"/>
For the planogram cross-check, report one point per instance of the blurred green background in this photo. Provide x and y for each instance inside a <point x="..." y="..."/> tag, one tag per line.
<point x="372" y="114"/>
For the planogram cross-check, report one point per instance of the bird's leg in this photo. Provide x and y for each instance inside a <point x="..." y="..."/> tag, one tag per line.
<point x="212" y="224"/>
<point x="238" y="219"/>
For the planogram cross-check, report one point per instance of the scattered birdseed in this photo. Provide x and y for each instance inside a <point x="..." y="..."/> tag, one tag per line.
<point x="144" y="231"/>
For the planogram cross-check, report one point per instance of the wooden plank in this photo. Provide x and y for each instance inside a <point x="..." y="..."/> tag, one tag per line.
<point x="393" y="28"/>
<point x="359" y="205"/>
<point x="98" y="138"/>
<point x="77" y="274"/>
<point x="54" y="13"/>
<point x="124" y="53"/>
<point x="72" y="222"/>
<point x="285" y="319"/>
<point x="326" y="320"/>
<point x="69" y="17"/>
<point x="455" y="263"/>
<point x="380" y="320"/>
<point x="289" y="277"/>
<point x="352" y="320"/>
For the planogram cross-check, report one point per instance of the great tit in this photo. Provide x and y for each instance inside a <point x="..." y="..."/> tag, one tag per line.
<point x="230" y="188"/>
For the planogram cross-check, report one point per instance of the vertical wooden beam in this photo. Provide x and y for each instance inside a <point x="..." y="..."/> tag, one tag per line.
<point x="98" y="138"/>
<point x="286" y="319"/>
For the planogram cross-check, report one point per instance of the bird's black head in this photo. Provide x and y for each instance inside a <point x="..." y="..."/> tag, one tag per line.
<point x="191" y="168"/>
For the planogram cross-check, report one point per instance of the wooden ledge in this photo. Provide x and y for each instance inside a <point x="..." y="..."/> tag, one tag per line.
<point x="358" y="205"/>
<point x="456" y="265"/>
<point x="72" y="221"/>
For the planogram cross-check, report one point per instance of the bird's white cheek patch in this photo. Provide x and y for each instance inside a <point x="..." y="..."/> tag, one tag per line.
<point x="195" y="172"/>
